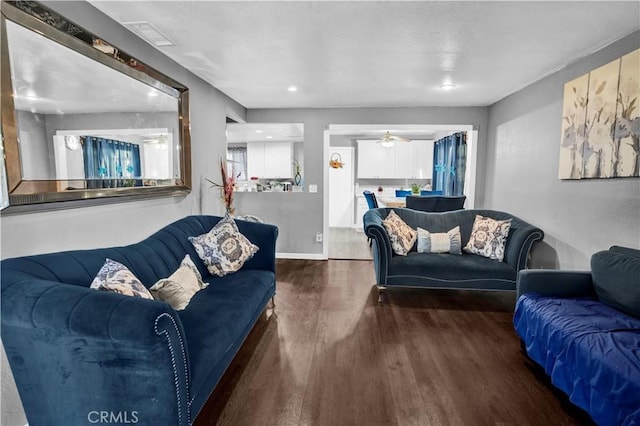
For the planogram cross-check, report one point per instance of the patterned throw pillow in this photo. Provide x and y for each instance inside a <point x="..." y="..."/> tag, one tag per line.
<point x="181" y="286"/>
<point x="449" y="242"/>
<point x="223" y="249"/>
<point x="402" y="236"/>
<point x="488" y="237"/>
<point x="115" y="277"/>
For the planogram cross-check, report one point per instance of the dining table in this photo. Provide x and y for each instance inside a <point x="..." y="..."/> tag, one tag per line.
<point x="398" y="202"/>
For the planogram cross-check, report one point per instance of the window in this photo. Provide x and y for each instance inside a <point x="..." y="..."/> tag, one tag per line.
<point x="237" y="163"/>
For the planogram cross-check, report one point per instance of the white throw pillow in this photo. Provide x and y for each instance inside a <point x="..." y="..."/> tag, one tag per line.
<point x="181" y="286"/>
<point x="449" y="242"/>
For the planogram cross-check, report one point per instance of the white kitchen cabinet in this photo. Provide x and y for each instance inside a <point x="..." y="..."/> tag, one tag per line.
<point x="270" y="160"/>
<point x="374" y="160"/>
<point x="404" y="160"/>
<point x="255" y="159"/>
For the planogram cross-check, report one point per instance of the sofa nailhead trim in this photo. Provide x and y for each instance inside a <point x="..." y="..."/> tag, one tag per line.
<point x="173" y="361"/>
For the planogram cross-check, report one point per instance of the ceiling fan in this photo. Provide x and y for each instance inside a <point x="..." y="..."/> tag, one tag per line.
<point x="388" y="139"/>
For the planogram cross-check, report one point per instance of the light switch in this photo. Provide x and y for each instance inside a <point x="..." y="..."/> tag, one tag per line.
<point x="313" y="188"/>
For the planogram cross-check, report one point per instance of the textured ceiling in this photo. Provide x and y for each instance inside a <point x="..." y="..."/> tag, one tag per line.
<point x="378" y="53"/>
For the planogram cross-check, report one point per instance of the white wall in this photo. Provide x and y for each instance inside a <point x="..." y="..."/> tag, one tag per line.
<point x="579" y="217"/>
<point x="122" y="223"/>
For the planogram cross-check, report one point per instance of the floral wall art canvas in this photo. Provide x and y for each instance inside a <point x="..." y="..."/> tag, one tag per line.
<point x="573" y="124"/>
<point x="600" y="122"/>
<point x="626" y="137"/>
<point x="601" y="113"/>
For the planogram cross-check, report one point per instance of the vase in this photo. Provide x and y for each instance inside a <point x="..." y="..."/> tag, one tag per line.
<point x="297" y="179"/>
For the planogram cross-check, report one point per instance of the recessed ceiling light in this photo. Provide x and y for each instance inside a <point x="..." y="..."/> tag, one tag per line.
<point x="258" y="131"/>
<point x="447" y="86"/>
<point x="269" y="137"/>
<point x="292" y="89"/>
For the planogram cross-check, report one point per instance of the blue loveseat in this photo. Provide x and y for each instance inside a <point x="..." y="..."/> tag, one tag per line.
<point x="77" y="353"/>
<point x="583" y="329"/>
<point x="466" y="271"/>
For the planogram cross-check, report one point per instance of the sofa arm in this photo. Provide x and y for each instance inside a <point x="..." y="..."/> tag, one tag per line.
<point x="264" y="236"/>
<point x="519" y="244"/>
<point x="555" y="283"/>
<point x="382" y="251"/>
<point x="76" y="352"/>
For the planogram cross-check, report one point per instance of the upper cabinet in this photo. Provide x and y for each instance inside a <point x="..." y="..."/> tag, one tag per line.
<point x="374" y="160"/>
<point x="270" y="160"/>
<point x="403" y="160"/>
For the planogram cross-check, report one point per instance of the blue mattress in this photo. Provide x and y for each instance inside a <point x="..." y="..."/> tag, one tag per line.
<point x="590" y="351"/>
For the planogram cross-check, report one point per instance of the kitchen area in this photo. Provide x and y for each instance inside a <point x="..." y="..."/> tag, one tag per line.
<point x="368" y="162"/>
<point x="266" y="157"/>
<point x="267" y="161"/>
<point x="381" y="168"/>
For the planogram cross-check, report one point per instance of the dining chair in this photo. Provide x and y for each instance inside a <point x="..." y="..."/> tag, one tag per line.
<point x="437" y="203"/>
<point x="402" y="193"/>
<point x="446" y="204"/>
<point x="371" y="199"/>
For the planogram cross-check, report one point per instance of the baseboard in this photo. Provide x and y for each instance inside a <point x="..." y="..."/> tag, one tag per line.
<point x="303" y="256"/>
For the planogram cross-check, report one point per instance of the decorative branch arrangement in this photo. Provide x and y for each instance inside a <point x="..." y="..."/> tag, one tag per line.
<point x="226" y="187"/>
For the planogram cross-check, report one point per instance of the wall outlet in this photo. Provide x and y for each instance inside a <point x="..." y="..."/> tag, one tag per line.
<point x="313" y="188"/>
<point x="318" y="237"/>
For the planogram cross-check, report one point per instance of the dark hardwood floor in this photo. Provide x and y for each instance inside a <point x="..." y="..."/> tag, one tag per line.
<point x="333" y="356"/>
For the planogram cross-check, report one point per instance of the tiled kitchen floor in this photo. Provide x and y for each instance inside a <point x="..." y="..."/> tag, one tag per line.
<point x="347" y="243"/>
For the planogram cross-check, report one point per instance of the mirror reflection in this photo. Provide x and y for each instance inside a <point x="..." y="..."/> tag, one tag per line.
<point x="86" y="123"/>
<point x="266" y="157"/>
<point x="84" y="120"/>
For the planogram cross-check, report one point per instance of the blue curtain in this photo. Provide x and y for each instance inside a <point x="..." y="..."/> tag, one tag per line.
<point x="110" y="163"/>
<point x="449" y="164"/>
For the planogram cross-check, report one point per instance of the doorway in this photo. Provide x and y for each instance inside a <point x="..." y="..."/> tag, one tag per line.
<point x="344" y="241"/>
<point x="355" y="132"/>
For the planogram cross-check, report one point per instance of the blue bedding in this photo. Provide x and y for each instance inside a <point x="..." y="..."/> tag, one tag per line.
<point x="590" y="351"/>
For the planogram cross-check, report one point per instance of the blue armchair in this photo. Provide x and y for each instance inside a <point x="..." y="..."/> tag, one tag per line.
<point x="582" y="328"/>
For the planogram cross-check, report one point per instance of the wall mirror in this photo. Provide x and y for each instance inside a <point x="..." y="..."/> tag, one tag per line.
<point x="266" y="157"/>
<point x="82" y="121"/>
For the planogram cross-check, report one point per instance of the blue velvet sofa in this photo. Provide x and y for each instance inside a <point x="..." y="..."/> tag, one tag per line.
<point x="77" y="353"/>
<point x="466" y="271"/>
<point x="585" y="339"/>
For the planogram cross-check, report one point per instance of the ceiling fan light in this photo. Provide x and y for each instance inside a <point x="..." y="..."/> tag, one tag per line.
<point x="387" y="143"/>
